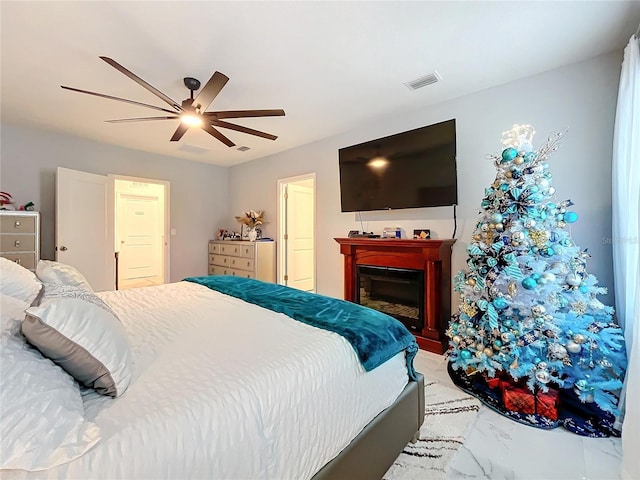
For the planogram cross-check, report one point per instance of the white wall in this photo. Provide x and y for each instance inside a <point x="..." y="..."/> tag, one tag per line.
<point x="199" y="192"/>
<point x="581" y="97"/>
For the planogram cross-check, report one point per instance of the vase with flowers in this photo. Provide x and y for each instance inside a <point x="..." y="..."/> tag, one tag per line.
<point x="252" y="219"/>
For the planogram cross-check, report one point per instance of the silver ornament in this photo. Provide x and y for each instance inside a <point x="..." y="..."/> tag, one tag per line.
<point x="543" y="376"/>
<point x="557" y="351"/>
<point x="456" y="339"/>
<point x="538" y="310"/>
<point x="573" y="280"/>
<point x="573" y="347"/>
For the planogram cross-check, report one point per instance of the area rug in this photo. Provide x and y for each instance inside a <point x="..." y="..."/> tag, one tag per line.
<point x="449" y="413"/>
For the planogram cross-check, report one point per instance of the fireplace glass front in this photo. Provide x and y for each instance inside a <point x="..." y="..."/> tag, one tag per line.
<point x="398" y="292"/>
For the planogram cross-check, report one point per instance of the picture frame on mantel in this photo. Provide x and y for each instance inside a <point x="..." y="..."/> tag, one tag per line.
<point x="422" y="234"/>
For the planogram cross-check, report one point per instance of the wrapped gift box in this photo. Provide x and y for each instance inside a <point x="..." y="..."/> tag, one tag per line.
<point x="518" y="399"/>
<point x="521" y="400"/>
<point x="547" y="404"/>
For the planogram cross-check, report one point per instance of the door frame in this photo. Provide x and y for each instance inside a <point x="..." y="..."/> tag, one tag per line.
<point x="281" y="217"/>
<point x="167" y="216"/>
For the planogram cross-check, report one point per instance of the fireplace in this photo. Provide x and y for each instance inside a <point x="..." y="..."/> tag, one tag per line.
<point x="398" y="292"/>
<point x="408" y="279"/>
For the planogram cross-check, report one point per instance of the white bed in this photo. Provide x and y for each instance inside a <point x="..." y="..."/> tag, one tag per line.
<point x="224" y="389"/>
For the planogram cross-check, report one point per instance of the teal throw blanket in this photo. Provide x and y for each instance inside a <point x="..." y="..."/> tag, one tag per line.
<point x="375" y="336"/>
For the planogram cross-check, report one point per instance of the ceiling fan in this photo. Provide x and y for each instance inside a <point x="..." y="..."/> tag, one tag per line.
<point x="191" y="112"/>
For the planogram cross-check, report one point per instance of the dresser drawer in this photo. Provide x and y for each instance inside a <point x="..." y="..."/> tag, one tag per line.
<point x="241" y="273"/>
<point x="216" y="270"/>
<point x="220" y="260"/>
<point x="27" y="260"/>
<point x="230" y="249"/>
<point x="17" y="224"/>
<point x="214" y="248"/>
<point x="248" y="251"/>
<point x="17" y="243"/>
<point x="241" y="263"/>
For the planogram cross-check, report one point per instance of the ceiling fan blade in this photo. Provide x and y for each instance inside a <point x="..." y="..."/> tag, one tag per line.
<point x="180" y="131"/>
<point x="143" y="119"/>
<point x="210" y="91"/>
<point x="246" y="113"/>
<point x="142" y="83"/>
<point x="212" y="131"/>
<point x="133" y="102"/>
<point x="239" y="128"/>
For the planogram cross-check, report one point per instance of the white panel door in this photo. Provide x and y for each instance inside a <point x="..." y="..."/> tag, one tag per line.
<point x="84" y="226"/>
<point x="141" y="226"/>
<point x="300" y="237"/>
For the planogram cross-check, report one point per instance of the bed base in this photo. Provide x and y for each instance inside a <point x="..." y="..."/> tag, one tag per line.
<point x="374" y="450"/>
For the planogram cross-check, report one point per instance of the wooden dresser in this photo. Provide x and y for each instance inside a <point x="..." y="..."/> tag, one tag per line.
<point x="20" y="237"/>
<point x="246" y="259"/>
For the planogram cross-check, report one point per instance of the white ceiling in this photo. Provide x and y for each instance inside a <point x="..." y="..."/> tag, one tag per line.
<point x="329" y="65"/>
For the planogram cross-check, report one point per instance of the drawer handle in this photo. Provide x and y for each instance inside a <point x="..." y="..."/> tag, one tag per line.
<point x="17" y="243"/>
<point x="225" y="260"/>
<point x="17" y="223"/>
<point x="248" y="264"/>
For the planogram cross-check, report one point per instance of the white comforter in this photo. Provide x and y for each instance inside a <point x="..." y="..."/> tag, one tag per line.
<point x="223" y="389"/>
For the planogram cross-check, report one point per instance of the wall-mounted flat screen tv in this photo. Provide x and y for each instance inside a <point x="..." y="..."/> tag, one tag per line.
<point x="408" y="170"/>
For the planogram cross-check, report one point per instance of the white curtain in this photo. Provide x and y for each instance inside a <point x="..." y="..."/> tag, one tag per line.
<point x="626" y="246"/>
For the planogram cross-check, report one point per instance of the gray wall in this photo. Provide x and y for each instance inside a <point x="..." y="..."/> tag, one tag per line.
<point x="580" y="97"/>
<point x="199" y="192"/>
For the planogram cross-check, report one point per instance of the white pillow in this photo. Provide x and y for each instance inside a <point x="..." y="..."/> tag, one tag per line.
<point x="78" y="331"/>
<point x="42" y="423"/>
<point x="49" y="271"/>
<point x="11" y="314"/>
<point x="18" y="282"/>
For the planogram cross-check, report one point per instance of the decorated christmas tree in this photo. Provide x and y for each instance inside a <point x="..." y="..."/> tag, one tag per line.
<point x="530" y="338"/>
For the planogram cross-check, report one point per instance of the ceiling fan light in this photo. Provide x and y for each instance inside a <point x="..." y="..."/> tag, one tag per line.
<point x="191" y="120"/>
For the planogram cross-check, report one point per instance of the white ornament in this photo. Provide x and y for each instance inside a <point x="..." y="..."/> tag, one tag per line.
<point x="573" y="347"/>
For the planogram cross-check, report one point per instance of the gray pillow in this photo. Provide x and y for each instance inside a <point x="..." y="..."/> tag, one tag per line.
<point x="77" y="330"/>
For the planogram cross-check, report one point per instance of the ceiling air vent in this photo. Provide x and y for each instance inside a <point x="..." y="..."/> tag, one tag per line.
<point x="423" y="81"/>
<point x="192" y="149"/>
<point x="243" y="148"/>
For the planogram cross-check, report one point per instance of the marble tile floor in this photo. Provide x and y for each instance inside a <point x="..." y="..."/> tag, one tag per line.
<point x="497" y="448"/>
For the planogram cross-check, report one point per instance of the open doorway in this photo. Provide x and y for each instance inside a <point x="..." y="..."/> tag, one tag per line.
<point x="296" y="232"/>
<point x="141" y="231"/>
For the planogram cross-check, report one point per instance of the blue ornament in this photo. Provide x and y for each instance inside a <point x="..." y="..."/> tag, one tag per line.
<point x="499" y="303"/>
<point x="565" y="242"/>
<point x="504" y="187"/>
<point x="509" y="154"/>
<point x="496" y="218"/>
<point x="571" y="217"/>
<point x="529" y="283"/>
<point x="583" y="289"/>
<point x="465" y="354"/>
<point x="535" y="276"/>
<point x="507" y="323"/>
<point x="553" y="237"/>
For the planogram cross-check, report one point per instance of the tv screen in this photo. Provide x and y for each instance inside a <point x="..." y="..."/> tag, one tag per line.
<point x="408" y="170"/>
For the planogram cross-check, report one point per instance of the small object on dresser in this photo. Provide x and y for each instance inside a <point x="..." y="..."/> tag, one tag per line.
<point x="422" y="234"/>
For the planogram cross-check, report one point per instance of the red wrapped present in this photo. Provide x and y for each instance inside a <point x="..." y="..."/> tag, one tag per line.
<point x="493" y="382"/>
<point x="547" y="404"/>
<point x="518" y="399"/>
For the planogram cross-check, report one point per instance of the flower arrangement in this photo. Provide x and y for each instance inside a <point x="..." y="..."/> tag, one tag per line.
<point x="251" y="218"/>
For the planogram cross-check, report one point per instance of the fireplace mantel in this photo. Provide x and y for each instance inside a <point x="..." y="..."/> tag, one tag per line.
<point x="433" y="257"/>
